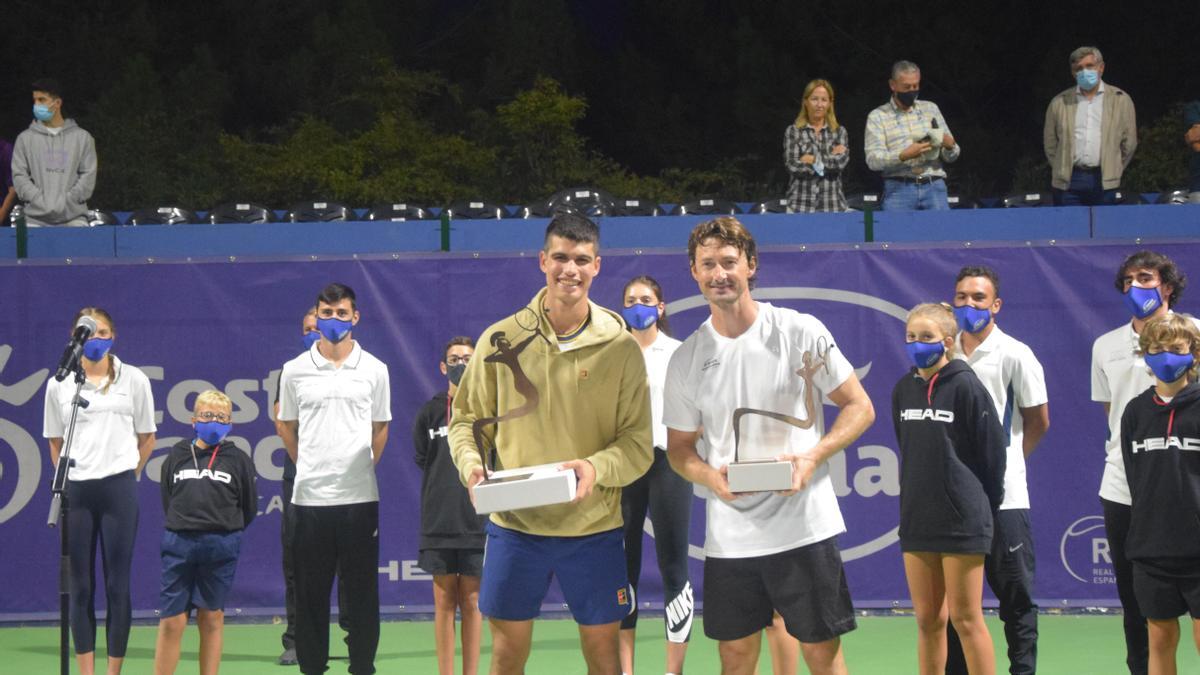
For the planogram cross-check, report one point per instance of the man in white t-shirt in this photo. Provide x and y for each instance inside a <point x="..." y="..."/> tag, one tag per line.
<point x="1016" y="384"/>
<point x="334" y="408"/>
<point x="1151" y="284"/>
<point x="764" y="552"/>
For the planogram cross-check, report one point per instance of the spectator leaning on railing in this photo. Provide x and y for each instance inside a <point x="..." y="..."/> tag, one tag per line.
<point x="1089" y="136"/>
<point x="53" y="163"/>
<point x="907" y="140"/>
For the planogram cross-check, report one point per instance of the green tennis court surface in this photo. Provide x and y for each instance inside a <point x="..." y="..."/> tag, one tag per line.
<point x="1069" y="645"/>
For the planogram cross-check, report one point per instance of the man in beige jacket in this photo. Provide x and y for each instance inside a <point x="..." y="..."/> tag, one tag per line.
<point x="1089" y="136"/>
<point x="560" y="381"/>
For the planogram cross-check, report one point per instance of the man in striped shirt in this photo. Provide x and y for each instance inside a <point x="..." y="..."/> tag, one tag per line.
<point x="908" y="140"/>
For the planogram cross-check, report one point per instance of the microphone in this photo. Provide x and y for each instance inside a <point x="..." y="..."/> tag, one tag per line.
<point x="84" y="329"/>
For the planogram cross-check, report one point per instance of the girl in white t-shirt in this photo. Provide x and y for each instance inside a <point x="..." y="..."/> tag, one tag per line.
<point x="665" y="494"/>
<point x="114" y="435"/>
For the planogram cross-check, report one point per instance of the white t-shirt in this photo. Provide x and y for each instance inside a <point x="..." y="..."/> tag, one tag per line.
<point x="1014" y="379"/>
<point x="1119" y="374"/>
<point x="658" y="355"/>
<point x="105" y="441"/>
<point x="335" y="408"/>
<point x="709" y="376"/>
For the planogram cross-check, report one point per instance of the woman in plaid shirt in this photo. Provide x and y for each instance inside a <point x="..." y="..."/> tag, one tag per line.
<point x="814" y="150"/>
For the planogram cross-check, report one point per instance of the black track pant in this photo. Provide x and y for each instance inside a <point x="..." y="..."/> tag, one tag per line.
<point x="289" y="574"/>
<point x="1137" y="640"/>
<point x="331" y="540"/>
<point x="668" y="497"/>
<point x="103" y="512"/>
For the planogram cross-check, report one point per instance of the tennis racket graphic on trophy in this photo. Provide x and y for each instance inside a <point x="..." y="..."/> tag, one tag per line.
<point x="525" y="487"/>
<point x="767" y="473"/>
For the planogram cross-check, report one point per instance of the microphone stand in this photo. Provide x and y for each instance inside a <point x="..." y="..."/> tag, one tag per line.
<point x="59" y="511"/>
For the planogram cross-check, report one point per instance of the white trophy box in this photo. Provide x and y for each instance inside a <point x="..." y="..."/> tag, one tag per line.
<point x="523" y="488"/>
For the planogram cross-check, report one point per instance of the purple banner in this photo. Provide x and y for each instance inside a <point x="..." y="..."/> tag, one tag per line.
<point x="231" y="325"/>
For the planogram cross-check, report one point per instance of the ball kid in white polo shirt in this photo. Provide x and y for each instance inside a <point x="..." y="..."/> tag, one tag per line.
<point x="334" y="406"/>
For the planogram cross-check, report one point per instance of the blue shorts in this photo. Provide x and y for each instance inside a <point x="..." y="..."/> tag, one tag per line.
<point x="517" y="568"/>
<point x="198" y="570"/>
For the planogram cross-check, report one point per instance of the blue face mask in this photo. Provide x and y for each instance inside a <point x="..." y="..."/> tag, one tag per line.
<point x="972" y="319"/>
<point x="925" y="354"/>
<point x="639" y="316"/>
<point x="42" y="113"/>
<point x="1169" y="366"/>
<point x="213" y="432"/>
<point x="1142" y="302"/>
<point x="334" y="330"/>
<point x="1087" y="79"/>
<point x="95" y="348"/>
<point x="310" y="338"/>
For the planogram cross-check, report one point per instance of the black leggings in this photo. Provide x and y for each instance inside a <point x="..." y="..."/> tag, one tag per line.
<point x="668" y="496"/>
<point x="104" y="510"/>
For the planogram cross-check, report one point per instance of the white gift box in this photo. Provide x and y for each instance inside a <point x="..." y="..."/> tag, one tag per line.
<point x="760" y="475"/>
<point x="523" y="488"/>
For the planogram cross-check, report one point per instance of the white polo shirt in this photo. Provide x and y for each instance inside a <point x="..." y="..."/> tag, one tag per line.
<point x="335" y="408"/>
<point x="1119" y="374"/>
<point x="709" y="376"/>
<point x="105" y="441"/>
<point x="1014" y="379"/>
<point x="658" y="355"/>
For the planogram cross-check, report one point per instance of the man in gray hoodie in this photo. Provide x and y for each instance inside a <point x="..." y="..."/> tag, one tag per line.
<point x="53" y="163"/>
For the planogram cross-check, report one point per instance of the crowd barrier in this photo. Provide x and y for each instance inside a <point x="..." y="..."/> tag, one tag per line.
<point x="513" y="234"/>
<point x="231" y="325"/>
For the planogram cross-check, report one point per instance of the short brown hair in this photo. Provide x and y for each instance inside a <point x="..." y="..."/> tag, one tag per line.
<point x="729" y="231"/>
<point x="456" y="341"/>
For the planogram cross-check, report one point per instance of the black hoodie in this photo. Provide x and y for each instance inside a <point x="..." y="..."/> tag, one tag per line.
<point x="448" y="520"/>
<point x="202" y="493"/>
<point x="1160" y="443"/>
<point x="952" y="460"/>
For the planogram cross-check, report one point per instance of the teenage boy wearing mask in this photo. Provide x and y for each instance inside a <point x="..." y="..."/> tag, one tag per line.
<point x="53" y="163"/>
<point x="1151" y="285"/>
<point x="334" y="406"/>
<point x="451" y="546"/>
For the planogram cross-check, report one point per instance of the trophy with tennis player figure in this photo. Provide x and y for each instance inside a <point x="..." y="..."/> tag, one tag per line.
<point x="762" y="474"/>
<point x="520" y="487"/>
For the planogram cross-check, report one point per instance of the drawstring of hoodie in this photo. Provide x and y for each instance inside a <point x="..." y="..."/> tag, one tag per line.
<point x="1170" y="418"/>
<point x="929" y="392"/>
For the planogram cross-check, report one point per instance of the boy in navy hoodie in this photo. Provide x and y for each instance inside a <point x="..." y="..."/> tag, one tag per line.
<point x="209" y="497"/>
<point x="953" y="453"/>
<point x="1160" y="443"/>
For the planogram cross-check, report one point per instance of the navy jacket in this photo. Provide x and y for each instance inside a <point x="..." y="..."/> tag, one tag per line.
<point x="1160" y="443"/>
<point x="952" y="459"/>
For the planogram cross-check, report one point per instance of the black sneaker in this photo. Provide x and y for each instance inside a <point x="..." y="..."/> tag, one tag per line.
<point x="288" y="657"/>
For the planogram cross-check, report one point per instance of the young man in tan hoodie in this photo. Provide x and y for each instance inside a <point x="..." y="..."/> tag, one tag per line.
<point x="563" y="381"/>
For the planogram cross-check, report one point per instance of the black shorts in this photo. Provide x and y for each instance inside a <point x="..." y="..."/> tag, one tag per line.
<point x="806" y="585"/>
<point x="1167" y="588"/>
<point x="438" y="561"/>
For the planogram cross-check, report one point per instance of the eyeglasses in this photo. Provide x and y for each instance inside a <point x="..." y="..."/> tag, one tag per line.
<point x="455" y="360"/>
<point x="207" y="416"/>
